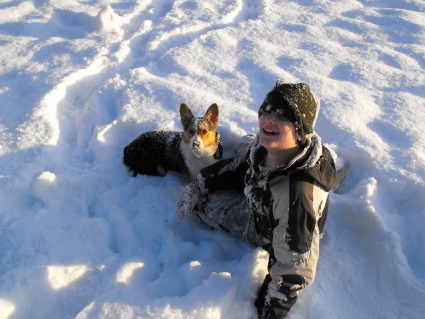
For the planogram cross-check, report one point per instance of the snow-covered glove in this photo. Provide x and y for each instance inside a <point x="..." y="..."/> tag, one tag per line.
<point x="269" y="307"/>
<point x="188" y="199"/>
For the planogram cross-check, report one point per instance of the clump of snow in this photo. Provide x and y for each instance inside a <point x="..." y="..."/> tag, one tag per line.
<point x="6" y="308"/>
<point x="107" y="19"/>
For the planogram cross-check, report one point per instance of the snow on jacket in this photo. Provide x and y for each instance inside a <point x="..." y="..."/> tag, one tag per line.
<point x="288" y="205"/>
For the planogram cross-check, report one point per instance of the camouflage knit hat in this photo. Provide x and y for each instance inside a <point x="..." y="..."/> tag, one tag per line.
<point x="296" y="103"/>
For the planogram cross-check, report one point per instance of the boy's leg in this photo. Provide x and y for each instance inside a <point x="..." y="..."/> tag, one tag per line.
<point x="228" y="211"/>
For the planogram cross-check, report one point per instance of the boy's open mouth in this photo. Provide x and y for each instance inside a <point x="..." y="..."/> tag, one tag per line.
<point x="269" y="132"/>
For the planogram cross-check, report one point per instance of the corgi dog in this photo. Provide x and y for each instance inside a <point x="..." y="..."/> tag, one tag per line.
<point x="187" y="151"/>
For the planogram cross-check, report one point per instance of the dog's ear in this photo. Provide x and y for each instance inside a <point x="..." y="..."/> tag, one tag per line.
<point x="186" y="115"/>
<point x="212" y="115"/>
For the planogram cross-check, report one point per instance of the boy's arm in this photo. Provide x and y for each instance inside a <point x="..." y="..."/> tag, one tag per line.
<point x="226" y="174"/>
<point x="294" y="252"/>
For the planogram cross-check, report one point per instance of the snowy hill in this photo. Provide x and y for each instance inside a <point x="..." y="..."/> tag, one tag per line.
<point x="80" y="238"/>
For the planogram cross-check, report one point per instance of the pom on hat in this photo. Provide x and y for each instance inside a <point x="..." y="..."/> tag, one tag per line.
<point x="296" y="103"/>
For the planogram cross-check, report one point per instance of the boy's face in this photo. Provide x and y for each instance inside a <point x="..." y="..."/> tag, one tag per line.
<point x="276" y="133"/>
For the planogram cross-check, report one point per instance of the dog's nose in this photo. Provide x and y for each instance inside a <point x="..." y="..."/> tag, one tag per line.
<point x="196" y="144"/>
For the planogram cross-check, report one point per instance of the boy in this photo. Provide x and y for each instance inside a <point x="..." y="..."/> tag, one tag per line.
<point x="273" y="194"/>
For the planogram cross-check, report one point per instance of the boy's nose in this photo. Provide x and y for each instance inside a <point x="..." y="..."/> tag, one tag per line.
<point x="270" y="118"/>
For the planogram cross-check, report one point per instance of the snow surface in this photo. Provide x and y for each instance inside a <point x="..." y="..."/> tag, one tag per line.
<point x="80" y="238"/>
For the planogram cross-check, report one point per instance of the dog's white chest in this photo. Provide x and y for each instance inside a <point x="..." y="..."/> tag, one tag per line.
<point x="193" y="162"/>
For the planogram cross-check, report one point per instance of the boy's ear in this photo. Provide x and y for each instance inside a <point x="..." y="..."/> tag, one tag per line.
<point x="186" y="115"/>
<point x="212" y="115"/>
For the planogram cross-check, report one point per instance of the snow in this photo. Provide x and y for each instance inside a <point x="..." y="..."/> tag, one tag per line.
<point x="79" y="80"/>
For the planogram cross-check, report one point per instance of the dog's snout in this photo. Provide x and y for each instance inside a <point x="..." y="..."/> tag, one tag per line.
<point x="196" y="144"/>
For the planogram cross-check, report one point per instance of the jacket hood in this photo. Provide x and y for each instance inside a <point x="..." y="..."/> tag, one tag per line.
<point x="314" y="162"/>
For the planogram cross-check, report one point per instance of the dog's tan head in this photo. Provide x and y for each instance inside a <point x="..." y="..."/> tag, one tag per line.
<point x="200" y="133"/>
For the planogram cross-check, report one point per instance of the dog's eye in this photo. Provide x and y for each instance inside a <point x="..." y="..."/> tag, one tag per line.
<point x="204" y="132"/>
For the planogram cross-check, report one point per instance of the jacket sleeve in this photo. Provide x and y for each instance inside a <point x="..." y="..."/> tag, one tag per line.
<point x="225" y="174"/>
<point x="294" y="250"/>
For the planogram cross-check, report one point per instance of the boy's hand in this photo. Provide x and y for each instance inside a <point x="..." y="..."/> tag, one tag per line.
<point x="188" y="200"/>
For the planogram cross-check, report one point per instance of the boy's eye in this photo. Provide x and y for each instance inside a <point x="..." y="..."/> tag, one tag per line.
<point x="191" y="131"/>
<point x="283" y="117"/>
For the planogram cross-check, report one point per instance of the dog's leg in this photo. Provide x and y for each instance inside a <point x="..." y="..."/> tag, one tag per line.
<point x="161" y="170"/>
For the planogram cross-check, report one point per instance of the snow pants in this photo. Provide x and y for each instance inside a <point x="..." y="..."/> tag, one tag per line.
<point x="228" y="211"/>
